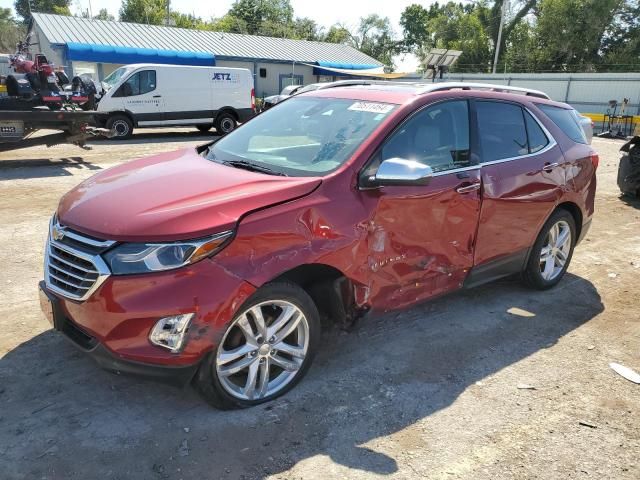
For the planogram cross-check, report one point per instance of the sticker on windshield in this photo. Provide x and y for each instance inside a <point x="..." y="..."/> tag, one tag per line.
<point x="371" y="107"/>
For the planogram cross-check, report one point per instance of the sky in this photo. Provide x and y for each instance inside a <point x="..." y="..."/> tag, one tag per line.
<point x="324" y="12"/>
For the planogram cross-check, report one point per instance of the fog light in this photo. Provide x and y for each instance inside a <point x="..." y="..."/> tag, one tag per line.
<point x="169" y="332"/>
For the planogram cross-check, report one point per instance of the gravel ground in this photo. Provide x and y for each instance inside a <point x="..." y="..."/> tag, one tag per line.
<point x="430" y="392"/>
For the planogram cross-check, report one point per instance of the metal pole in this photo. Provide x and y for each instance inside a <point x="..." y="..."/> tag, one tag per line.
<point x="504" y="12"/>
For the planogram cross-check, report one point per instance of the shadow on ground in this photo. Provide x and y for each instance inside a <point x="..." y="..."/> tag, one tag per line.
<point x="42" y="167"/>
<point x="62" y="417"/>
<point x="631" y="200"/>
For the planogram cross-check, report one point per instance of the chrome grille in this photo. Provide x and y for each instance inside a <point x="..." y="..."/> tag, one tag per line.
<point x="73" y="266"/>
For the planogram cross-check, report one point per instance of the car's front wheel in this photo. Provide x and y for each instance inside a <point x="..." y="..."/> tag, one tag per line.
<point x="266" y="349"/>
<point x="552" y="251"/>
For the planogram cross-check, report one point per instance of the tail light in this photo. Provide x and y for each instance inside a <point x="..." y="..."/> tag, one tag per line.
<point x="253" y="99"/>
<point x="595" y="160"/>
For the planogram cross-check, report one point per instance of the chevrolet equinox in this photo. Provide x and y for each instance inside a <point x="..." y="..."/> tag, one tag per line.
<point x="214" y="265"/>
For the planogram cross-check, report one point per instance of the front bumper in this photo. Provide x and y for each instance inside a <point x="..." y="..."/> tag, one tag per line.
<point x="172" y="375"/>
<point x="114" y="323"/>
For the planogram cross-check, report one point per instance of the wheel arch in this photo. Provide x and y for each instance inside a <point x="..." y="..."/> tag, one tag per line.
<point x="230" y="110"/>
<point x="330" y="289"/>
<point x="575" y="212"/>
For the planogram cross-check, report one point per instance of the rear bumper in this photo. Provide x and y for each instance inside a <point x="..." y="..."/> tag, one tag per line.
<point x="81" y="339"/>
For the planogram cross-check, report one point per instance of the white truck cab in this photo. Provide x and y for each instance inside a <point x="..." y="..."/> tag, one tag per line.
<point x="149" y="95"/>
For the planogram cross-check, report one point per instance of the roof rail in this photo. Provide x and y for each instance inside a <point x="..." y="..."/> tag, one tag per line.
<point x="438" y="87"/>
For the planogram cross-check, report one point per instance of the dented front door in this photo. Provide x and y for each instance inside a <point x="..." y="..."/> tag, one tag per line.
<point x="421" y="238"/>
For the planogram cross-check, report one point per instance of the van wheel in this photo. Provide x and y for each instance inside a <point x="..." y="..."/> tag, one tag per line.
<point x="552" y="251"/>
<point x="204" y="128"/>
<point x="266" y="349"/>
<point x="225" y="123"/>
<point x="122" y="125"/>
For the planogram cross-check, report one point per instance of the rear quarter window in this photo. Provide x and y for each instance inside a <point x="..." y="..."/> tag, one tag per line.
<point x="566" y="121"/>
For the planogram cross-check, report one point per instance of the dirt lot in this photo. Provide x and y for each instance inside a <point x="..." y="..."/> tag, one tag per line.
<point x="427" y="393"/>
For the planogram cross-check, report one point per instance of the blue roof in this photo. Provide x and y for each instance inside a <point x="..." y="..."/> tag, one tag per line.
<point x="348" y="66"/>
<point x="89" y="52"/>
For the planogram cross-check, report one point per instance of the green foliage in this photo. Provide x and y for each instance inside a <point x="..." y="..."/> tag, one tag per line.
<point x="151" y="12"/>
<point x="60" y="7"/>
<point x="104" y="14"/>
<point x="11" y="31"/>
<point x="538" y="35"/>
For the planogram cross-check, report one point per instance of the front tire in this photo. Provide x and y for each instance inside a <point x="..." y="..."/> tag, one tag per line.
<point x="552" y="251"/>
<point x="265" y="351"/>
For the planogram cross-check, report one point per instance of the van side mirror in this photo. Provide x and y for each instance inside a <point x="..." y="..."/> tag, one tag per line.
<point x="401" y="172"/>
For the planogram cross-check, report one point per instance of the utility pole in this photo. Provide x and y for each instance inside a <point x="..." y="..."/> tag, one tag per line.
<point x="502" y="16"/>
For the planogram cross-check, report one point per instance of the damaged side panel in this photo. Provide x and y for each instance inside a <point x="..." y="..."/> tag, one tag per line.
<point x="395" y="246"/>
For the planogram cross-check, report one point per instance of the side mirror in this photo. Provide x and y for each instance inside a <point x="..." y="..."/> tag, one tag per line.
<point x="401" y="172"/>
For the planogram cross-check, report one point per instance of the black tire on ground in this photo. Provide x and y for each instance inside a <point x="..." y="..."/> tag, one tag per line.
<point x="207" y="381"/>
<point x="532" y="274"/>
<point x="122" y="125"/>
<point x="225" y="123"/>
<point x="204" y="128"/>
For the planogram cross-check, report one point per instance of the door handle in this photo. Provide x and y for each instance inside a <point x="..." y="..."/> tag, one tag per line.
<point x="469" y="188"/>
<point x="549" y="166"/>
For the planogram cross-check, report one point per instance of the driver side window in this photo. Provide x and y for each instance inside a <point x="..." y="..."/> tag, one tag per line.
<point x="437" y="136"/>
<point x="137" y="84"/>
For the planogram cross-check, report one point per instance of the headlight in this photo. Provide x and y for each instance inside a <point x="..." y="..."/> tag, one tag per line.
<point x="130" y="258"/>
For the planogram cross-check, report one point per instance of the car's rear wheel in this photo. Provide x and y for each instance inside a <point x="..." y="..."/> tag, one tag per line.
<point x="266" y="349"/>
<point x="121" y="125"/>
<point x="225" y="123"/>
<point x="551" y="253"/>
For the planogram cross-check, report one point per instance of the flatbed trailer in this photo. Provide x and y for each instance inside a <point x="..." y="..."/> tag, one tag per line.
<point x="74" y="126"/>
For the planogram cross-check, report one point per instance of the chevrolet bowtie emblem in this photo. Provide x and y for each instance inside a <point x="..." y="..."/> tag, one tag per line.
<point x="57" y="233"/>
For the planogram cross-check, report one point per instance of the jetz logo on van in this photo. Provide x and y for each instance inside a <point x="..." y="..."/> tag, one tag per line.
<point x="222" y="76"/>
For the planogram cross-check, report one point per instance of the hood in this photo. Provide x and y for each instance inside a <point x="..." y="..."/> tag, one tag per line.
<point x="172" y="196"/>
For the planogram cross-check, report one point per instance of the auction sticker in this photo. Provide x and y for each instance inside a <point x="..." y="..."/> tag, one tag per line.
<point x="371" y="107"/>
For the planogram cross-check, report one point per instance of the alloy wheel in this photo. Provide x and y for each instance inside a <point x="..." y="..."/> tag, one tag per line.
<point x="555" y="250"/>
<point x="263" y="350"/>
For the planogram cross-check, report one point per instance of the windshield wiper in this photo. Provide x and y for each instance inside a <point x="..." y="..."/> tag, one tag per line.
<point x="253" y="167"/>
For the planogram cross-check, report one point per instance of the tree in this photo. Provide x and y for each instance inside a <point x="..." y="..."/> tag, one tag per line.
<point x="11" y="31"/>
<point x="374" y="37"/>
<point x="104" y="14"/>
<point x="337" y="34"/>
<point x="60" y="7"/>
<point x="263" y="17"/>
<point x="306" y="29"/>
<point x="490" y="18"/>
<point x="151" y="12"/>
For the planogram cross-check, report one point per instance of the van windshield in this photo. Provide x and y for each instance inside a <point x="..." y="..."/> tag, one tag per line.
<point x="114" y="77"/>
<point x="303" y="136"/>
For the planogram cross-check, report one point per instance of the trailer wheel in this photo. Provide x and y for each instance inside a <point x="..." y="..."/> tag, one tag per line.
<point x="122" y="125"/>
<point x="225" y="123"/>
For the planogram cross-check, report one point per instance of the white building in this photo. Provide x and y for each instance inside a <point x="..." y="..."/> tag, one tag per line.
<point x="98" y="47"/>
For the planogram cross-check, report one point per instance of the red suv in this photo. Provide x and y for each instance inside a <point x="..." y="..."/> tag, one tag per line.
<point x="215" y="264"/>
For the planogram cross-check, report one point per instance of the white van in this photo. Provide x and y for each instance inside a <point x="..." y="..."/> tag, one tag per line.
<point x="148" y="95"/>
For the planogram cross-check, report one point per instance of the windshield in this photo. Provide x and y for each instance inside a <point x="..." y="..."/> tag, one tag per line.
<point x="114" y="77"/>
<point x="304" y="136"/>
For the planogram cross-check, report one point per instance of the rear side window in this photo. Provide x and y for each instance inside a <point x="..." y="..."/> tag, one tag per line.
<point x="566" y="121"/>
<point x="537" y="138"/>
<point x="502" y="131"/>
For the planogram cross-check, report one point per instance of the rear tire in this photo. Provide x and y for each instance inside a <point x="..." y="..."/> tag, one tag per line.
<point x="232" y="375"/>
<point x="551" y="253"/>
<point x="204" y="128"/>
<point x="225" y="123"/>
<point x="122" y="125"/>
